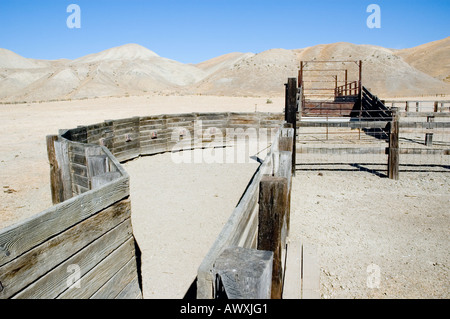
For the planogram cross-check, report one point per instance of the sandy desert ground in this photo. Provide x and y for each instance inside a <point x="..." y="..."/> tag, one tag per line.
<point x="355" y="219"/>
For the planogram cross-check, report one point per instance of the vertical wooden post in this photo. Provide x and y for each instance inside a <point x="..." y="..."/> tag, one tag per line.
<point x="300" y="75"/>
<point x="272" y="207"/>
<point x="360" y="89"/>
<point x="336" y="93"/>
<point x="429" y="136"/>
<point x="290" y="112"/>
<point x="56" y="184"/>
<point x="244" y="273"/>
<point x="436" y="106"/>
<point x="394" y="158"/>
<point x="346" y="80"/>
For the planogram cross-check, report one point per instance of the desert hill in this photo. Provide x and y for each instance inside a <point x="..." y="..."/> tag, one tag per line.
<point x="432" y="58"/>
<point x="135" y="70"/>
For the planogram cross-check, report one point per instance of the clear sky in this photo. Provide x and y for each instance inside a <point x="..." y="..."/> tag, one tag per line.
<point x="192" y="31"/>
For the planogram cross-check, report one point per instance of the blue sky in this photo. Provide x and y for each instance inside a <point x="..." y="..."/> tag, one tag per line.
<point x="191" y="31"/>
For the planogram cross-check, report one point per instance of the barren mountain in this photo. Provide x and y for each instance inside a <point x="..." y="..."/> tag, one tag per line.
<point x="127" y="70"/>
<point x="134" y="70"/>
<point x="383" y="72"/>
<point x="432" y="58"/>
<point x="265" y="73"/>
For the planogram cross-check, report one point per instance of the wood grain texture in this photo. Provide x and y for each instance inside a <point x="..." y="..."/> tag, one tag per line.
<point x="272" y="210"/>
<point x="30" y="266"/>
<point x="244" y="273"/>
<point x="101" y="273"/>
<point x="56" y="281"/>
<point x="19" y="238"/>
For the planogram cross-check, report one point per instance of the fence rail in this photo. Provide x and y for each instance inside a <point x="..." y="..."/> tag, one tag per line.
<point x="262" y="204"/>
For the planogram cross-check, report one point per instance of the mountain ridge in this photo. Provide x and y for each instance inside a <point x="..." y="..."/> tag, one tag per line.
<point x="132" y="69"/>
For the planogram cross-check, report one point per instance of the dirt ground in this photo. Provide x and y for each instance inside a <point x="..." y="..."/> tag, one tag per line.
<point x="178" y="210"/>
<point x="357" y="219"/>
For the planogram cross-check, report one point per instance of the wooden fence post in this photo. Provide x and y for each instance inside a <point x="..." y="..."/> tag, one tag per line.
<point x="272" y="208"/>
<point x="290" y="112"/>
<point x="56" y="184"/>
<point x="394" y="158"/>
<point x="429" y="136"/>
<point x="243" y="273"/>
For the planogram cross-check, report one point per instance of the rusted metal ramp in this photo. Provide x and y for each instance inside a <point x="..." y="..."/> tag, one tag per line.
<point x="334" y="89"/>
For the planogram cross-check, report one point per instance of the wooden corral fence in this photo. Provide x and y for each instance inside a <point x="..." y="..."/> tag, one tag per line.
<point x="253" y="258"/>
<point x="83" y="246"/>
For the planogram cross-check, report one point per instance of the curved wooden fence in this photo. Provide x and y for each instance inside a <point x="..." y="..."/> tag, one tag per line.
<point x="83" y="246"/>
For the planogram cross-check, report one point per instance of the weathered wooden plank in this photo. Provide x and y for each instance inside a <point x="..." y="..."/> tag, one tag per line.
<point x="119" y="281"/>
<point x="394" y="157"/>
<point x="156" y="141"/>
<point x="77" y="190"/>
<point x="131" y="291"/>
<point x="244" y="273"/>
<point x="293" y="271"/>
<point x="78" y="169"/>
<point x="97" y="165"/>
<point x="78" y="134"/>
<point x="62" y="157"/>
<point x="250" y="232"/>
<point x="23" y="270"/>
<point x="272" y="209"/>
<point x="17" y="239"/>
<point x="424" y="151"/>
<point x="93" y="280"/>
<point x="423" y="114"/>
<point x="82" y="181"/>
<point x="125" y="146"/>
<point x="128" y="154"/>
<point x="154" y="134"/>
<point x="58" y="280"/>
<point x="56" y="184"/>
<point x="148" y="130"/>
<point x="310" y="272"/>
<point x="77" y="159"/>
<point x="77" y="148"/>
<point x="131" y="130"/>
<point x="350" y="124"/>
<point x="285" y="170"/>
<point x="102" y="179"/>
<point x="341" y="150"/>
<point x="231" y="231"/>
